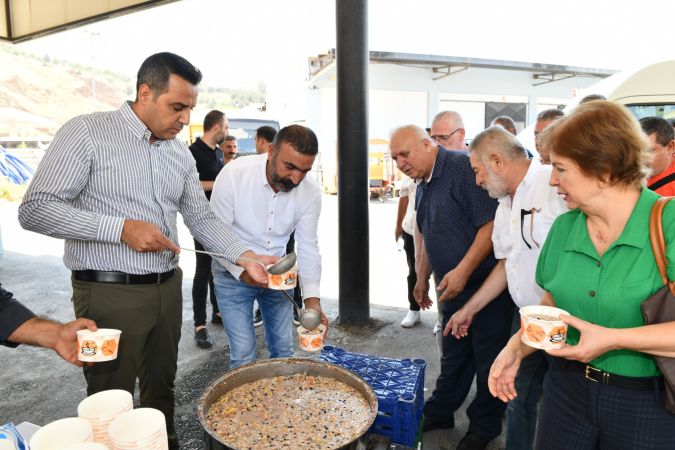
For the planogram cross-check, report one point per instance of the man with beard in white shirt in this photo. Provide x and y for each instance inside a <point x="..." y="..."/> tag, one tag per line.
<point x="263" y="198"/>
<point x="528" y="205"/>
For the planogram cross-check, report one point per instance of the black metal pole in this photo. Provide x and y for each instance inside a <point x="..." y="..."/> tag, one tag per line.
<point x="352" y="113"/>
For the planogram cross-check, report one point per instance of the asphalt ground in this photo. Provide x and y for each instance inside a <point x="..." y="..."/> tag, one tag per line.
<point x="38" y="387"/>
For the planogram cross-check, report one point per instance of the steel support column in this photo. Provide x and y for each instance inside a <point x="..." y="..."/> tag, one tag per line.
<point x="352" y="113"/>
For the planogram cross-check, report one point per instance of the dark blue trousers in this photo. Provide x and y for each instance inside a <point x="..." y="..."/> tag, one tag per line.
<point x="462" y="359"/>
<point x="576" y="413"/>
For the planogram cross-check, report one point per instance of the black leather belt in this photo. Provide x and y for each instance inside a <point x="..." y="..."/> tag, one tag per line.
<point x="599" y="376"/>
<point x="102" y="276"/>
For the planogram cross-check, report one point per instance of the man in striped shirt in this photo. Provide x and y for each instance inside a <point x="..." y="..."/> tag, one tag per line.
<point x="111" y="184"/>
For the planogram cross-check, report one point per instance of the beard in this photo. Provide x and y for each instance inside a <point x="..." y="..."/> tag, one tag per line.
<point x="282" y="184"/>
<point x="495" y="187"/>
<point x="278" y="182"/>
<point x="220" y="138"/>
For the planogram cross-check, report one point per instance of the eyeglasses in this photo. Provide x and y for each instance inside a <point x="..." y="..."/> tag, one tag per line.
<point x="444" y="137"/>
<point x="523" y="213"/>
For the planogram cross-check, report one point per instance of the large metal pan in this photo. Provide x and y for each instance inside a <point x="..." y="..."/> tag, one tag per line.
<point x="276" y="367"/>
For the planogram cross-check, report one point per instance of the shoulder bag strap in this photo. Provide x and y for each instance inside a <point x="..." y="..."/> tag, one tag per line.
<point x="658" y="240"/>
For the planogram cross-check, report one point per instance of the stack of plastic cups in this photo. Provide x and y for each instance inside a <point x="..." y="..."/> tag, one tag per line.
<point x="139" y="429"/>
<point x="62" y="433"/>
<point x="102" y="408"/>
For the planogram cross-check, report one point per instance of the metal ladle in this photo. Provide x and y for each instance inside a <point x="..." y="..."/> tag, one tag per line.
<point x="308" y="318"/>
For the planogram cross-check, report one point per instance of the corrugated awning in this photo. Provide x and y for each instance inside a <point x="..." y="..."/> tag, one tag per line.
<point x="21" y="20"/>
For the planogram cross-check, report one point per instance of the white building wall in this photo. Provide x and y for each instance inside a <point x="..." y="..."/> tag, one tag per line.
<point x="402" y="95"/>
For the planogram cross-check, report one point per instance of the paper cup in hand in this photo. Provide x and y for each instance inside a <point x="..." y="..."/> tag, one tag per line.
<point x="311" y="340"/>
<point x="283" y="281"/>
<point x="98" y="346"/>
<point x="62" y="433"/>
<point x="541" y="327"/>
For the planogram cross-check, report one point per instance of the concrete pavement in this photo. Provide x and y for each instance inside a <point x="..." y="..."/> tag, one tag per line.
<point x="39" y="387"/>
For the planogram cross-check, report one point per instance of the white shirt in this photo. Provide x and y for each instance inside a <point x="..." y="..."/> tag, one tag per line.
<point x="519" y="241"/>
<point x="408" y="189"/>
<point x="264" y="219"/>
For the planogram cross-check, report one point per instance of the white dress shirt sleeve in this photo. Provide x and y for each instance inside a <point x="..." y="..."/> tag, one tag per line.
<point x="222" y="205"/>
<point x="307" y="241"/>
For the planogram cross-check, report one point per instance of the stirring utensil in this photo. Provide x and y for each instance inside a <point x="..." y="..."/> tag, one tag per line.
<point x="308" y="318"/>
<point x="282" y="266"/>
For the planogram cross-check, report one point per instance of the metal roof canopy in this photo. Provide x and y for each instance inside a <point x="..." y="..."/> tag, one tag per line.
<point x="449" y="65"/>
<point x="21" y="20"/>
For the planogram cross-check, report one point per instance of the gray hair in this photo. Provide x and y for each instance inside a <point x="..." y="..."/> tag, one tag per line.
<point x="497" y="139"/>
<point x="418" y="131"/>
<point x="450" y="115"/>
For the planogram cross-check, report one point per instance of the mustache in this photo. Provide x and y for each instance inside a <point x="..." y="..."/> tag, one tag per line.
<point x="286" y="183"/>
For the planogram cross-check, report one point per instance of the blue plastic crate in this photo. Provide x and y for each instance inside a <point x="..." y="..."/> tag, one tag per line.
<point x="399" y="386"/>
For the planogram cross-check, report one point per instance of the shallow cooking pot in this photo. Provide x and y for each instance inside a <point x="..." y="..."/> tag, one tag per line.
<point x="277" y="367"/>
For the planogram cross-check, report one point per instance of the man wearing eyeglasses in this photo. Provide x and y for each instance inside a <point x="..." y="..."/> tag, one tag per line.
<point x="527" y="208"/>
<point x="455" y="218"/>
<point x="544" y="120"/>
<point x="447" y="129"/>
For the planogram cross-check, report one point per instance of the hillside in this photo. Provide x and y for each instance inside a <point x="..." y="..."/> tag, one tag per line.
<point x="56" y="89"/>
<point x="53" y="91"/>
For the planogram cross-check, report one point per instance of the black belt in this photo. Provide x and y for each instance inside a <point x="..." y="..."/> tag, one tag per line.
<point x="599" y="376"/>
<point x="102" y="276"/>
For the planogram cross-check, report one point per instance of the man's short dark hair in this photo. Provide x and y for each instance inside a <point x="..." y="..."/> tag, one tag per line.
<point x="550" y="114"/>
<point x="157" y="68"/>
<point x="212" y="119"/>
<point x="229" y="137"/>
<point x="302" y="139"/>
<point x="591" y="97"/>
<point x="506" y="122"/>
<point x="266" y="132"/>
<point x="659" y="126"/>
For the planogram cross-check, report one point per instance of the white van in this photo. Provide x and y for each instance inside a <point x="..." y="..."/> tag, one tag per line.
<point x="646" y="91"/>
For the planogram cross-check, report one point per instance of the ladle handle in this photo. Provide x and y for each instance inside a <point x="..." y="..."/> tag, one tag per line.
<point x="244" y="258"/>
<point x="290" y="299"/>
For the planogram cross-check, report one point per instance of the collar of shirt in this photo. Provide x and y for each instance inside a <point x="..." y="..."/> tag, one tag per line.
<point x="526" y="183"/>
<point x="135" y="123"/>
<point x="633" y="232"/>
<point x="262" y="164"/>
<point x="439" y="163"/>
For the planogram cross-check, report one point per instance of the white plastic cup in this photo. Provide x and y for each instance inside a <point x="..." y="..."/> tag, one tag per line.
<point x="98" y="346"/>
<point x="541" y="327"/>
<point x="62" y="433"/>
<point x="284" y="281"/>
<point x="311" y="340"/>
<point x="101" y="408"/>
<point x="139" y="429"/>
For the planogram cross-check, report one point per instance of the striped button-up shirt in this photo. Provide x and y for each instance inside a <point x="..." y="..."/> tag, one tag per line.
<point x="101" y="169"/>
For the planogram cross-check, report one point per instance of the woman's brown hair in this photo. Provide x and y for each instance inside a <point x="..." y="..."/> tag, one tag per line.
<point x="604" y="140"/>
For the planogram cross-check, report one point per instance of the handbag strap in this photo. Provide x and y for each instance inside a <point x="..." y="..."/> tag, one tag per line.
<point x="658" y="240"/>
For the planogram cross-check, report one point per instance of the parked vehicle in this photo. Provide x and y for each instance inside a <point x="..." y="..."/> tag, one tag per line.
<point x="383" y="174"/>
<point x="241" y="128"/>
<point x="646" y="91"/>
